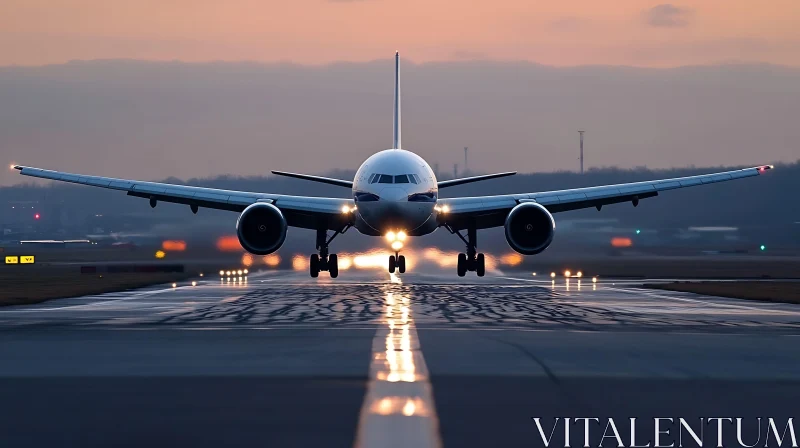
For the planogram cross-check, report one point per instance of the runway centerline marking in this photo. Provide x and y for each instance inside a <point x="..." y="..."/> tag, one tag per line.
<point x="398" y="408"/>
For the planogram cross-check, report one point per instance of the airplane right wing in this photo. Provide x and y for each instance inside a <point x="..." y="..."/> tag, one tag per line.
<point x="491" y="211"/>
<point x="300" y="211"/>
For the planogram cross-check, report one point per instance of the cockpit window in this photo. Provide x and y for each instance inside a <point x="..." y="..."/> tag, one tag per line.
<point x="389" y="179"/>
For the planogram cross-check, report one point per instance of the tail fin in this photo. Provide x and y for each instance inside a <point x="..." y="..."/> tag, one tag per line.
<point x="396" y="144"/>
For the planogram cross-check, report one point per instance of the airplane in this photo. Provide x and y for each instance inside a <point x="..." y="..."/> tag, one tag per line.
<point x="395" y="194"/>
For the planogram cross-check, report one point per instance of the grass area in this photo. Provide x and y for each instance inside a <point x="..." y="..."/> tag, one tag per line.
<point x="33" y="284"/>
<point x="786" y="292"/>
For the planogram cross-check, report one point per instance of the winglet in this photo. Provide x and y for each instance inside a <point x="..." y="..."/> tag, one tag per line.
<point x="763" y="168"/>
<point x="396" y="143"/>
<point x="17" y="167"/>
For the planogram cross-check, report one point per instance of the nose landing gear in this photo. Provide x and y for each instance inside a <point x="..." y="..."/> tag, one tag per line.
<point x="397" y="262"/>
<point x="471" y="261"/>
<point x="323" y="261"/>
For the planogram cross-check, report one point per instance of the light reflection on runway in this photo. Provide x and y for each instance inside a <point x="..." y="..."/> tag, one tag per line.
<point x="398" y="408"/>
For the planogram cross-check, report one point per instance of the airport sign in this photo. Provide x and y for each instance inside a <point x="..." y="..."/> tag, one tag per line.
<point x="20" y="259"/>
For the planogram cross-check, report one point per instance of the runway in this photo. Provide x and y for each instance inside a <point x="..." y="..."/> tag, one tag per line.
<point x="369" y="359"/>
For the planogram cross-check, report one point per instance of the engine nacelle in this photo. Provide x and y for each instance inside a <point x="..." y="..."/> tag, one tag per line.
<point x="261" y="228"/>
<point x="529" y="228"/>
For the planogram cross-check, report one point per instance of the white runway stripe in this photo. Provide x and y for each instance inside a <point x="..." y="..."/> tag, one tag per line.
<point x="398" y="409"/>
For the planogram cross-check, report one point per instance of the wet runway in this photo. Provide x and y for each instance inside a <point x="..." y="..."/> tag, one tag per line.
<point x="369" y="359"/>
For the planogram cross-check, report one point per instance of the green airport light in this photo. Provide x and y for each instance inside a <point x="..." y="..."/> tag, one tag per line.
<point x="638" y="231"/>
<point x="763" y="247"/>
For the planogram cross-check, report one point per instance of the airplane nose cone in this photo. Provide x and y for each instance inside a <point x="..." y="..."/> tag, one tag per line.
<point x="394" y="194"/>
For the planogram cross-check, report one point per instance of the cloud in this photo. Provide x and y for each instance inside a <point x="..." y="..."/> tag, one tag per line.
<point x="667" y="15"/>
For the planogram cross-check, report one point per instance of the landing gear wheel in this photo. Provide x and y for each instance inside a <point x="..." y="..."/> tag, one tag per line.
<point x="333" y="265"/>
<point x="480" y="267"/>
<point x="401" y="264"/>
<point x="392" y="264"/>
<point x="462" y="264"/>
<point x="314" y="265"/>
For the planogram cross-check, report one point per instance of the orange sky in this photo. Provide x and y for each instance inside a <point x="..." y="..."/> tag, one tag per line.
<point x="564" y="32"/>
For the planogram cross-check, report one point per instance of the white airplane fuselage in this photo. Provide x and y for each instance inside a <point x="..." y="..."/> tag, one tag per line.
<point x="395" y="190"/>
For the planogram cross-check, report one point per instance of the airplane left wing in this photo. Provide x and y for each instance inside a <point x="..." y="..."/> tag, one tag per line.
<point x="300" y="211"/>
<point x="491" y="211"/>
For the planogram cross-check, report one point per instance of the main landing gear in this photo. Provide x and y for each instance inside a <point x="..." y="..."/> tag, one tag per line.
<point x="323" y="261"/>
<point x="397" y="262"/>
<point x="471" y="261"/>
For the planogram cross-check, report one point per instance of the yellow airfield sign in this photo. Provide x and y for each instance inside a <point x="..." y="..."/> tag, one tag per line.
<point x="20" y="259"/>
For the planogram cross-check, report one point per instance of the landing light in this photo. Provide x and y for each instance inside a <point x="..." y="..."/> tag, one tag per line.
<point x="552" y="275"/>
<point x="579" y="274"/>
<point x="567" y="273"/>
<point x="391" y="237"/>
<point x="397" y="245"/>
<point x="401" y="236"/>
<point x="221" y="272"/>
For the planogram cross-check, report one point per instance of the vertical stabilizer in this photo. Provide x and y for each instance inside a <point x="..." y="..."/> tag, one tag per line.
<point x="396" y="144"/>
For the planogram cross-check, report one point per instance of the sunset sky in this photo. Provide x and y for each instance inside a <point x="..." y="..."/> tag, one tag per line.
<point x="565" y="32"/>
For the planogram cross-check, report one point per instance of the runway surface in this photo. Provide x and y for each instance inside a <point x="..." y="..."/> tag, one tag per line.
<point x="369" y="359"/>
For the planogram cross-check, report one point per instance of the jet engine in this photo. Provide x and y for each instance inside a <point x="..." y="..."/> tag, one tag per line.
<point x="529" y="228"/>
<point x="261" y="228"/>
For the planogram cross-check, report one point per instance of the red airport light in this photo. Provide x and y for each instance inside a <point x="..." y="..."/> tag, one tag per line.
<point x="36" y="216"/>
